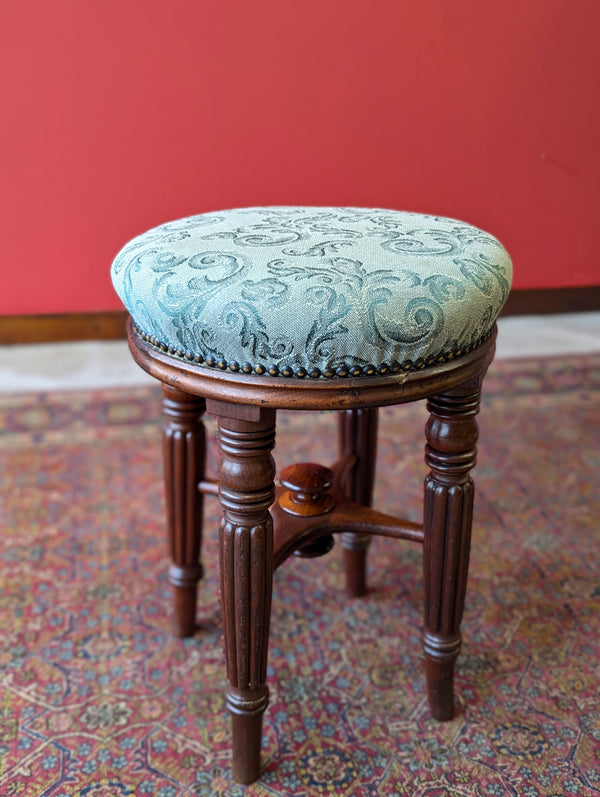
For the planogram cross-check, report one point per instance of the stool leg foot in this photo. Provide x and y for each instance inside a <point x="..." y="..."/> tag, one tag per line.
<point x="451" y="434"/>
<point x="184" y="452"/>
<point x="358" y="436"/>
<point x="355" y="563"/>
<point x="185" y="602"/>
<point x="246" y="738"/>
<point x="246" y="473"/>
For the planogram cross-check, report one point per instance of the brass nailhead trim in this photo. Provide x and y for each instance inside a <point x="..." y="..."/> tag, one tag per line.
<point x="287" y="371"/>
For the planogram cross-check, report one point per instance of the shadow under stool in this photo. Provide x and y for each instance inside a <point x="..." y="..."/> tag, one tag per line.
<point x="243" y="312"/>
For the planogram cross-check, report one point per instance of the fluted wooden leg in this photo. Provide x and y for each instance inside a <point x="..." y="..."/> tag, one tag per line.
<point x="246" y="473"/>
<point x="450" y="452"/>
<point x="184" y="453"/>
<point x="358" y="435"/>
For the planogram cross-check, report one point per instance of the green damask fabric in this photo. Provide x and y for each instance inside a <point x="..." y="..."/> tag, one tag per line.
<point x="311" y="291"/>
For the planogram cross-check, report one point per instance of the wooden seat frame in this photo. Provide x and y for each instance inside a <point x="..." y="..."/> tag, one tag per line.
<point x="262" y="525"/>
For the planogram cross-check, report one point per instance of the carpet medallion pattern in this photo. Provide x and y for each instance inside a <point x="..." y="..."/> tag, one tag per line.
<point x="98" y="699"/>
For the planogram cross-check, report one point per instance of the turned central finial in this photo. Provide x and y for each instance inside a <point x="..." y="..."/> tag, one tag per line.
<point x="306" y="493"/>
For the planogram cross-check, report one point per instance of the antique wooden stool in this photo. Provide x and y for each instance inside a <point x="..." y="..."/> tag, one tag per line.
<point x="244" y="312"/>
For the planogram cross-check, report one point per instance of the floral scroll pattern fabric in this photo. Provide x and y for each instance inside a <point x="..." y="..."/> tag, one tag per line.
<point x="318" y="292"/>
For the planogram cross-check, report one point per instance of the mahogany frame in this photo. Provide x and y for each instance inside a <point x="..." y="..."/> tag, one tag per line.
<point x="262" y="525"/>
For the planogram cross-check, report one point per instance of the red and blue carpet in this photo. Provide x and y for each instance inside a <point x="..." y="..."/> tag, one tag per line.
<point x="98" y="699"/>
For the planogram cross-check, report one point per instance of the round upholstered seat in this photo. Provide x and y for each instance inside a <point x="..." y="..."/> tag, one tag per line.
<point x="314" y="292"/>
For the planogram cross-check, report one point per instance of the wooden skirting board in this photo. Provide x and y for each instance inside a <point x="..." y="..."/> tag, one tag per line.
<point x="110" y="325"/>
<point x="542" y="301"/>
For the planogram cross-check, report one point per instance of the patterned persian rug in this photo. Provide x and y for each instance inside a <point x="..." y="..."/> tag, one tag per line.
<point x="98" y="699"/>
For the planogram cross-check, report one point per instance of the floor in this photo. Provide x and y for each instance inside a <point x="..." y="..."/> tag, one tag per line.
<point x="97" y="364"/>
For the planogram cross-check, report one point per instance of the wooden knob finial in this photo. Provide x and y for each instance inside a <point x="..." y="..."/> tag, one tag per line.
<point x="306" y="490"/>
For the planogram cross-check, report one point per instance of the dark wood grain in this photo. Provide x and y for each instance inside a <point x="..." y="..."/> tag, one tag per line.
<point x="357" y="429"/>
<point x="294" y="531"/>
<point x="450" y="452"/>
<point x="247" y="490"/>
<point x="184" y="454"/>
<point x="262" y="526"/>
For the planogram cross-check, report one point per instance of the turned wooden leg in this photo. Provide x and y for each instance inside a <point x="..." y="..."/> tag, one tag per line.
<point x="358" y="435"/>
<point x="450" y="452"/>
<point x="246" y="490"/>
<point x="184" y="454"/>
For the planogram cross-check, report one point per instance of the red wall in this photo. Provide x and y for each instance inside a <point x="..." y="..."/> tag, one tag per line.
<point x="121" y="114"/>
